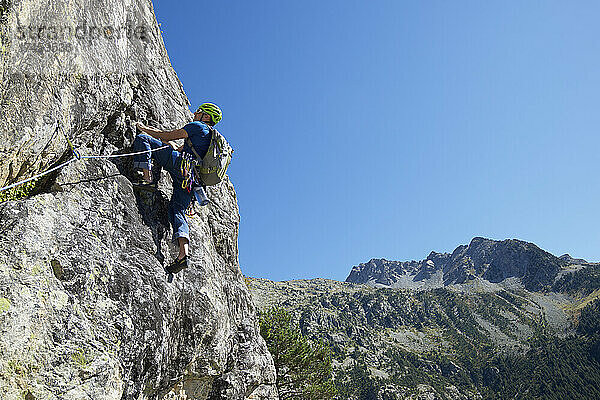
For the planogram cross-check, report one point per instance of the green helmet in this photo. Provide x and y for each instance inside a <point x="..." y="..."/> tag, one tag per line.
<point x="213" y="110"/>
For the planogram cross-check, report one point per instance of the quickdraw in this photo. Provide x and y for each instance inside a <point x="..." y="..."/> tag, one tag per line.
<point x="75" y="152"/>
<point x="188" y="171"/>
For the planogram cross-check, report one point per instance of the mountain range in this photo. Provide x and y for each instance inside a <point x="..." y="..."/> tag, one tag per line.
<point x="491" y="320"/>
<point x="490" y="260"/>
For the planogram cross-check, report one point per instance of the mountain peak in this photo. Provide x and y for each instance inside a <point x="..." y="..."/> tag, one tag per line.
<point x="484" y="258"/>
<point x="570" y="260"/>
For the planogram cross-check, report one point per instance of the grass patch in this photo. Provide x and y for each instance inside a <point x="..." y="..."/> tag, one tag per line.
<point x="81" y="359"/>
<point x="19" y="192"/>
<point x="16" y="367"/>
<point x="579" y="305"/>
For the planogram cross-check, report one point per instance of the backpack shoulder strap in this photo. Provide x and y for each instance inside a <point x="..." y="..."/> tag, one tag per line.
<point x="190" y="144"/>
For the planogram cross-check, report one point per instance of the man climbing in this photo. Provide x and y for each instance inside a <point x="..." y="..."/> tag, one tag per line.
<point x="198" y="135"/>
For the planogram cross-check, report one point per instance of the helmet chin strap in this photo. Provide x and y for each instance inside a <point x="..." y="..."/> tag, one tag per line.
<point x="202" y="114"/>
<point x="202" y="117"/>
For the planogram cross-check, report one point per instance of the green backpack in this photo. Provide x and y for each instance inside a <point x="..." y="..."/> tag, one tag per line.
<point x="212" y="168"/>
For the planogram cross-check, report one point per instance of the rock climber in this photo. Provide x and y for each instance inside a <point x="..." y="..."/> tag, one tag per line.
<point x="170" y="159"/>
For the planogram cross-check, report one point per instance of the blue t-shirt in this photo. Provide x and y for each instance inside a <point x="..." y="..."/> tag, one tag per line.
<point x="199" y="134"/>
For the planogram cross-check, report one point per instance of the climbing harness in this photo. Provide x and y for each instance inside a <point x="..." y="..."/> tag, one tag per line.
<point x="76" y="156"/>
<point x="192" y="183"/>
<point x="188" y="172"/>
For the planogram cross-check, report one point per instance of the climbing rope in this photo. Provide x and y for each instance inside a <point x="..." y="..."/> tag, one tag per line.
<point x="126" y="154"/>
<point x="38" y="175"/>
<point x="77" y="156"/>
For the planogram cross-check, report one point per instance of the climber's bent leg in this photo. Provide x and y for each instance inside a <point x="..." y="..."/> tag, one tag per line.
<point x="164" y="157"/>
<point x="143" y="142"/>
<point x="179" y="203"/>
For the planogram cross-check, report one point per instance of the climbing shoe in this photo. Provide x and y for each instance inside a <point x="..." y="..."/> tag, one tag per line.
<point x="177" y="265"/>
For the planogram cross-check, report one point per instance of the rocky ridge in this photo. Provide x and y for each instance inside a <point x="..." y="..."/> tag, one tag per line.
<point x="486" y="259"/>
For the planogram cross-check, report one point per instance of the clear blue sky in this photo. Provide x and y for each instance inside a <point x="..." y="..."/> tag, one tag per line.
<point x="387" y="129"/>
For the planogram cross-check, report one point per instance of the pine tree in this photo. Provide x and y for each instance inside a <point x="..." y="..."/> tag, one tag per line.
<point x="304" y="370"/>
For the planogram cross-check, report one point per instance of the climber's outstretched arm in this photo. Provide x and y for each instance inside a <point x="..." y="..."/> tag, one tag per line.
<point x="165" y="136"/>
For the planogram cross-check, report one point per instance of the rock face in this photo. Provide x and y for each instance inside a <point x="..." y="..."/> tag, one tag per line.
<point x="412" y="274"/>
<point x="89" y="67"/>
<point x="570" y="260"/>
<point x="85" y="308"/>
<point x="489" y="260"/>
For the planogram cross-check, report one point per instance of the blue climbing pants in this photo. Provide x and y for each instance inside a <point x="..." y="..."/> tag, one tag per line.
<point x="170" y="160"/>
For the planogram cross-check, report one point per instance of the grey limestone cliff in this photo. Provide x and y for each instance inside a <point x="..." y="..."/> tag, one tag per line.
<point x="85" y="308"/>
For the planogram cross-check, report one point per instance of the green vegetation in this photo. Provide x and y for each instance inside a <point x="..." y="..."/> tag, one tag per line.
<point x="559" y="369"/>
<point x="4" y="7"/>
<point x="357" y="382"/>
<point x="19" y="192"/>
<point x="20" y="368"/>
<point x="304" y="370"/>
<point x="390" y="340"/>
<point x="4" y="304"/>
<point x="582" y="282"/>
<point x="555" y="368"/>
<point x="16" y="367"/>
<point x="80" y="358"/>
<point x="589" y="319"/>
<point x="461" y="362"/>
